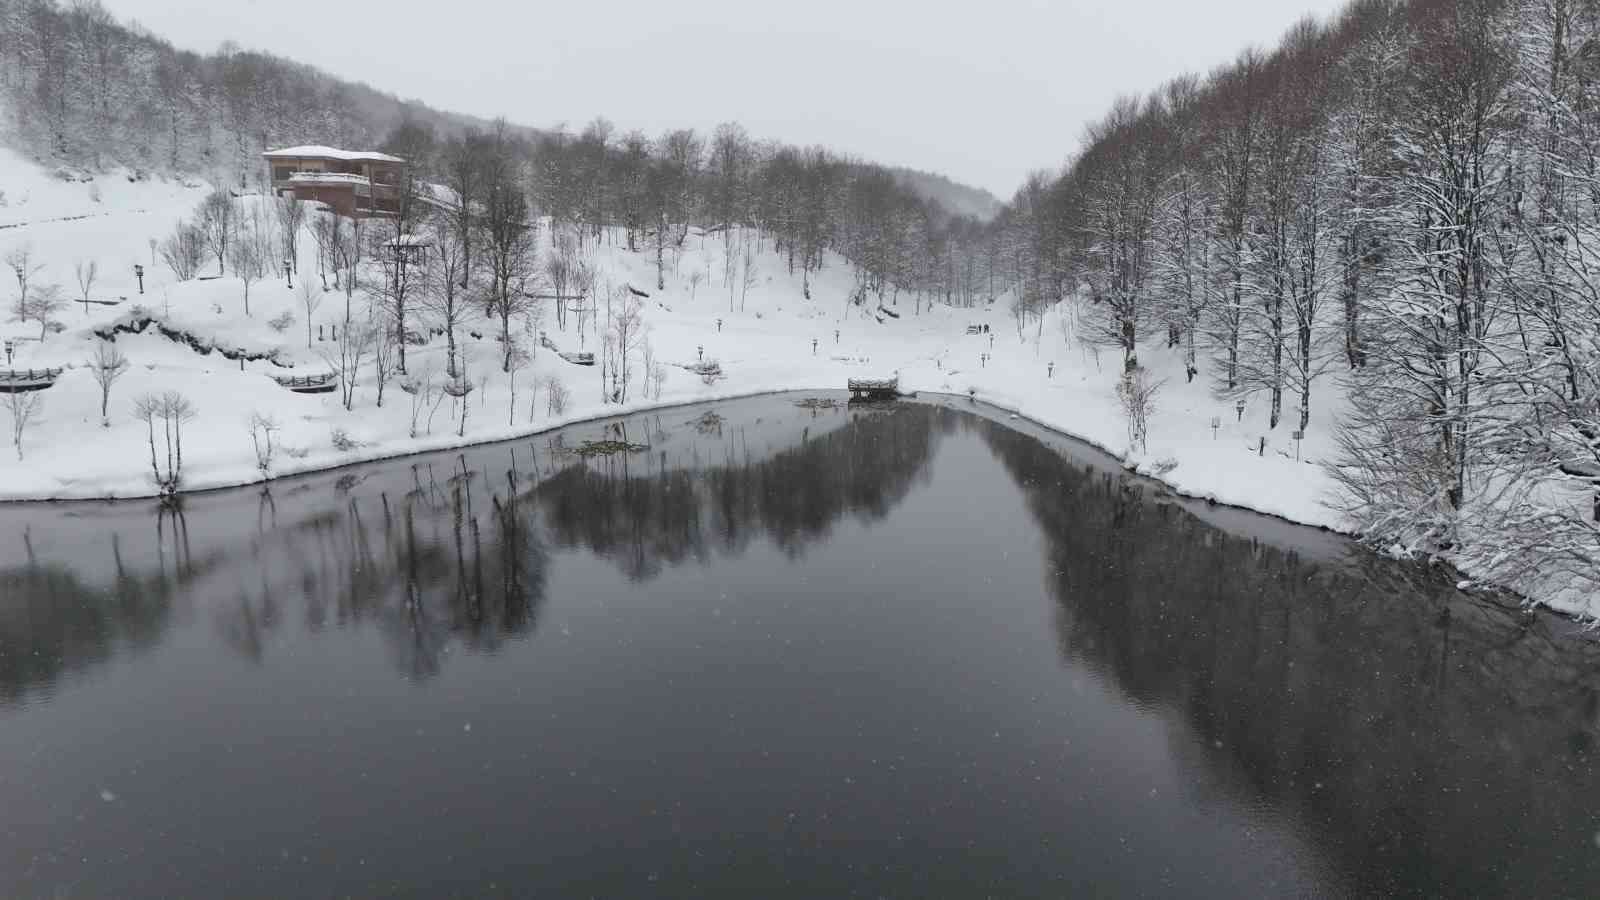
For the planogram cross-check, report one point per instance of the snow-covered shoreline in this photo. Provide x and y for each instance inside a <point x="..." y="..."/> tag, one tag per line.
<point x="203" y="482"/>
<point x="360" y="456"/>
<point x="761" y="327"/>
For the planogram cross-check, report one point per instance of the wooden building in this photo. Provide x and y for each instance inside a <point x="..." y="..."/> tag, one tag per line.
<point x="351" y="182"/>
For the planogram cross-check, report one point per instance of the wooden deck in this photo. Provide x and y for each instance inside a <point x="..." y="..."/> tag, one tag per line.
<point x="308" y="384"/>
<point x="874" y="389"/>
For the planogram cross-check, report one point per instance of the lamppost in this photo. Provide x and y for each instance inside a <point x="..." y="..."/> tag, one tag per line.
<point x="288" y="272"/>
<point x="813" y="346"/>
<point x="1239" y="408"/>
<point x="836" y="335"/>
<point x="983" y="360"/>
<point x="719" y="326"/>
<point x="138" y="272"/>
<point x="11" y="347"/>
<point x="1050" y="371"/>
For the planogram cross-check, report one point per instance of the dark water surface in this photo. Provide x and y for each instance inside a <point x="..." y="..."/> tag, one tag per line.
<point x="784" y="652"/>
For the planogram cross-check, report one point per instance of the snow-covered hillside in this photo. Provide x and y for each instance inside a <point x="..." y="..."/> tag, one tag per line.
<point x="770" y="339"/>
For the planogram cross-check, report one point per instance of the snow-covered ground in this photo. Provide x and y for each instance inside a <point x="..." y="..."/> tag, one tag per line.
<point x="771" y="339"/>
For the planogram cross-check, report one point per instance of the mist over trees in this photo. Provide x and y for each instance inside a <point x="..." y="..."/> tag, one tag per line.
<point x="79" y="88"/>
<point x="960" y="199"/>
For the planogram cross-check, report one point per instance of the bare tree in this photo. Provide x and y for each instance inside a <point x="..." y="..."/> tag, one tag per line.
<point x="310" y="299"/>
<point x="655" y="373"/>
<point x="385" y="361"/>
<point x="249" y="256"/>
<point x="420" y="388"/>
<point x="86" y="273"/>
<point x="24" y="267"/>
<point x="445" y="285"/>
<point x="518" y="361"/>
<point x="23" y="406"/>
<point x="290" y="212"/>
<point x="39" y="304"/>
<point x="396" y="240"/>
<point x="647" y="361"/>
<point x="507" y="240"/>
<point x="352" y="344"/>
<point x="561" y="268"/>
<point x="218" y="222"/>
<point x="583" y="287"/>
<point x="624" y="336"/>
<point x="751" y="271"/>
<point x="263" y="432"/>
<point x="106" y="365"/>
<point x="174" y="410"/>
<point x="343" y="242"/>
<point x="33" y="301"/>
<point x="458" y="389"/>
<point x="658" y="378"/>
<point x="1137" y="393"/>
<point x="322" y="232"/>
<point x="1121" y="189"/>
<point x="464" y="165"/>
<point x="184" y="250"/>
<point x="556" y="395"/>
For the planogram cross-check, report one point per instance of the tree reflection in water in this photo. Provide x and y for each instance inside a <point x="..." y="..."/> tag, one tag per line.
<point x="1426" y="736"/>
<point x="643" y="514"/>
<point x="1421" y="735"/>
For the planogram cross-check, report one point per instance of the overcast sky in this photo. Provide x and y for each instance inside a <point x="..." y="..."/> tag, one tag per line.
<point x="983" y="91"/>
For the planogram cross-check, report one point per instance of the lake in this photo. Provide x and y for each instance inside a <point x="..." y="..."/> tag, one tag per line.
<point x="780" y="647"/>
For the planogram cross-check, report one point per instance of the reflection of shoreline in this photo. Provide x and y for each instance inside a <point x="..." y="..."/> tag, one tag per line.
<point x="437" y="445"/>
<point x="865" y="467"/>
<point x="710" y="484"/>
<point x="1236" y="518"/>
<point x="291" y="471"/>
<point x="1419" y="737"/>
<point x="1369" y="701"/>
<point x="221" y="518"/>
<point x="435" y="555"/>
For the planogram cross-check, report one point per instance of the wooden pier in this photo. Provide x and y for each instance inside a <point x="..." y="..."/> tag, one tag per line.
<point x="308" y="384"/>
<point x="867" y="389"/>
<point x="17" y="381"/>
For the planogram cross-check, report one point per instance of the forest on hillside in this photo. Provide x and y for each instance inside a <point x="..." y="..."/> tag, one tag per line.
<point x="78" y="88"/>
<point x="1405" y="196"/>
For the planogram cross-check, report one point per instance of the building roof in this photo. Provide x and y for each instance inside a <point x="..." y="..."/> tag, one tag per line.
<point x="317" y="151"/>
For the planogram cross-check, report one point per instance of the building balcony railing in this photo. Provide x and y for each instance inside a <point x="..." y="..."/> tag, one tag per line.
<point x="361" y="183"/>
